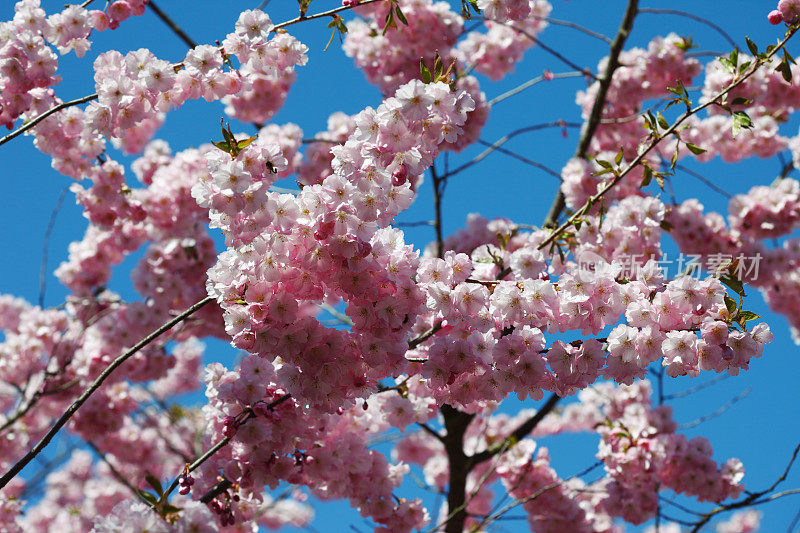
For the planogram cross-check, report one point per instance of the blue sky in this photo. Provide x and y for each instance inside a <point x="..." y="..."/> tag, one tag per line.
<point x="761" y="429"/>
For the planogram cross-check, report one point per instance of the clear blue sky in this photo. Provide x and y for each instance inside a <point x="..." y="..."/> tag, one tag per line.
<point x="761" y="430"/>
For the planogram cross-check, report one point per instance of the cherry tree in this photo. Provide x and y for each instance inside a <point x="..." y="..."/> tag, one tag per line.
<point x="370" y="369"/>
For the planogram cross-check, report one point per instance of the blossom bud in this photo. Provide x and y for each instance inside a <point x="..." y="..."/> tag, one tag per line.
<point x="775" y="17"/>
<point x="119" y="10"/>
<point x="399" y="176"/>
<point x="98" y="20"/>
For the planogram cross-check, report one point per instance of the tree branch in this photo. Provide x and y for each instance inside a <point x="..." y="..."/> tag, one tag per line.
<point x="642" y="153"/>
<point x="72" y="409"/>
<point x="590" y="126"/>
<point x="171" y="24"/>
<point x="522" y="431"/>
<point x="33" y="122"/>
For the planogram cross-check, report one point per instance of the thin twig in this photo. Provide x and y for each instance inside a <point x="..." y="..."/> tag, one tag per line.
<point x="328" y="13"/>
<point x="568" y="24"/>
<point x="533" y="81"/>
<point x="33" y="122"/>
<point x="502" y="140"/>
<point x="437" y="208"/>
<point x="413" y="343"/>
<point x="647" y="149"/>
<point x="341" y="317"/>
<point x="705" y="180"/>
<point x="694" y="17"/>
<point x="524" y="159"/>
<point x="522" y="431"/>
<point x="171" y="24"/>
<point x="696" y="388"/>
<point x="719" y="411"/>
<point x="46" y="244"/>
<point x="116" y="473"/>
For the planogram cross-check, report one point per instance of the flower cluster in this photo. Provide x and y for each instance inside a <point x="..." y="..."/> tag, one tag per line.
<point x="642" y="454"/>
<point x="495" y="52"/>
<point x="286" y="250"/>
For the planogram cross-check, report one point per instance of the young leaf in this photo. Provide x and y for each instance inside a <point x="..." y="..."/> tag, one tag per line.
<point x="748" y="315"/>
<point x="786" y="70"/>
<point x="154" y="483"/>
<point x="424" y="71"/>
<point x="148" y="497"/>
<point x="696" y="150"/>
<point x="741" y="120"/>
<point x="751" y="46"/>
<point x="647" y="177"/>
<point x="730" y="304"/>
<point x="734" y="283"/>
<point x="400" y="15"/>
<point x="244" y="143"/>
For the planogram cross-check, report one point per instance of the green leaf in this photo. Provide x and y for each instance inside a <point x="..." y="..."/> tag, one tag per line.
<point x="734" y="283"/>
<point x="390" y="23"/>
<point x="696" y="150"/>
<point x="741" y="101"/>
<point x="748" y="315"/>
<point x="222" y="145"/>
<point x="438" y="67"/>
<point x="685" y="44"/>
<point x="400" y="15"/>
<point x="148" y="497"/>
<point x="171" y="509"/>
<point x="424" y="71"/>
<point x="618" y="157"/>
<point x="734" y="57"/>
<point x="244" y="143"/>
<point x="648" y="176"/>
<point x="785" y="70"/>
<point x="730" y="303"/>
<point x="666" y="226"/>
<point x="740" y="120"/>
<point x="662" y="122"/>
<point x="751" y="46"/>
<point x="154" y="483"/>
<point x="660" y="180"/>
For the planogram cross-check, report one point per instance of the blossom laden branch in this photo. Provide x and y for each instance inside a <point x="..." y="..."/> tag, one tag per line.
<point x="72" y="409"/>
<point x="715" y="100"/>
<point x="33" y="122"/>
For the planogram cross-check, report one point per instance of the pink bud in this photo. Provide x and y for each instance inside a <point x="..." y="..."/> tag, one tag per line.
<point x="98" y="20"/>
<point x="548" y="75"/>
<point x="775" y="17"/>
<point x="325" y="230"/>
<point x="399" y="176"/>
<point x="119" y="10"/>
